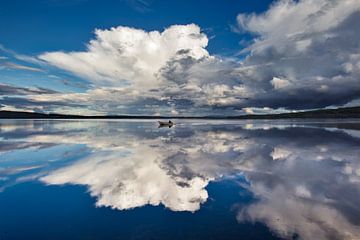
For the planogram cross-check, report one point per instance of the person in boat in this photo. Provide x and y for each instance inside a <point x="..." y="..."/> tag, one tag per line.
<point x="169" y="123"/>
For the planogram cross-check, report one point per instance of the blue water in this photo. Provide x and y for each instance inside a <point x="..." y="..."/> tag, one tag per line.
<point x="197" y="180"/>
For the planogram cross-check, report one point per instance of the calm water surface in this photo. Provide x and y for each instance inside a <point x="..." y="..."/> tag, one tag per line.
<point x="197" y="180"/>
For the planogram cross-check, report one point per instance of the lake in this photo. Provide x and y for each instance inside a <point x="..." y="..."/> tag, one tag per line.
<point x="129" y="179"/>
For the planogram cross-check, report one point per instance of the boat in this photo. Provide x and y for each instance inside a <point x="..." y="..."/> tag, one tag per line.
<point x="166" y="124"/>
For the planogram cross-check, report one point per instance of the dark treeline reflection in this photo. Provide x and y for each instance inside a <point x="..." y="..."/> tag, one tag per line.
<point x="304" y="180"/>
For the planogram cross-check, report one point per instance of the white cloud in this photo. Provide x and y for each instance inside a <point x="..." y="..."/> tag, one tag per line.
<point x="126" y="55"/>
<point x="302" y="191"/>
<point x="287" y="20"/>
<point x="279" y="83"/>
<point x="248" y="110"/>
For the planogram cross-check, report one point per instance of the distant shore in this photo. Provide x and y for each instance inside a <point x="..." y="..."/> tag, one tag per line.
<point x="353" y="112"/>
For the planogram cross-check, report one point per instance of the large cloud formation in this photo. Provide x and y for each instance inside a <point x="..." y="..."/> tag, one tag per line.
<point x="126" y="55"/>
<point x="304" y="54"/>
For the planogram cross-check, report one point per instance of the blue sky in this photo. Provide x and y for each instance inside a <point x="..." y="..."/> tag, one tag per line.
<point x="178" y="57"/>
<point x="50" y="25"/>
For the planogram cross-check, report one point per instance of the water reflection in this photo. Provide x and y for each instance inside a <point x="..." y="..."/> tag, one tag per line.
<point x="304" y="178"/>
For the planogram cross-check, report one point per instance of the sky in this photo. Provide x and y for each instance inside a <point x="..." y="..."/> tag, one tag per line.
<point x="178" y="58"/>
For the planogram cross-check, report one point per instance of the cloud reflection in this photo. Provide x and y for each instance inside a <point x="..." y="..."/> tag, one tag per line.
<point x="304" y="179"/>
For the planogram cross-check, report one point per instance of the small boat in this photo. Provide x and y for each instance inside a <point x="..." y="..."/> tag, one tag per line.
<point x="166" y="124"/>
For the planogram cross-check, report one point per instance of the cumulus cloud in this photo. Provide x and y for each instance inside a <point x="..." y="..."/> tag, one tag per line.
<point x="124" y="55"/>
<point x="304" y="52"/>
<point x="143" y="68"/>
